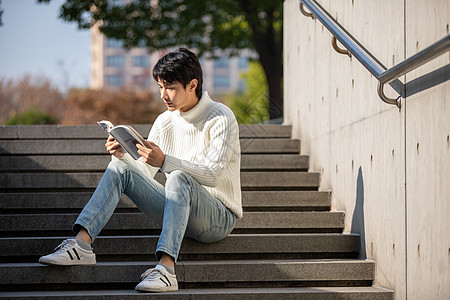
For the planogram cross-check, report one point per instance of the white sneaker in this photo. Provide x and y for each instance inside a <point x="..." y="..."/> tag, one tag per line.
<point x="157" y="280"/>
<point x="69" y="253"/>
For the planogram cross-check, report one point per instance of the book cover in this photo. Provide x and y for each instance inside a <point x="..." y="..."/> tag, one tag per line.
<point x="125" y="135"/>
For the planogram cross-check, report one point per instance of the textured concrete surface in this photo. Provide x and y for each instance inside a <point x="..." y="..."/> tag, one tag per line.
<point x="42" y="196"/>
<point x="291" y="220"/>
<point x="427" y="155"/>
<point x="43" y="180"/>
<point x="387" y="168"/>
<point x="94" y="131"/>
<point x="192" y="271"/>
<point x="130" y="221"/>
<point x="100" y="162"/>
<point x="267" y="244"/>
<point x="97" y="146"/>
<point x="251" y="200"/>
<point x="316" y="293"/>
<point x="286" y="270"/>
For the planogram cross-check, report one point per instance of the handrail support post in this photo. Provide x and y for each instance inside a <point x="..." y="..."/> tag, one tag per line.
<point x="384" y="98"/>
<point x="339" y="49"/>
<point x="371" y="63"/>
<point x="304" y="12"/>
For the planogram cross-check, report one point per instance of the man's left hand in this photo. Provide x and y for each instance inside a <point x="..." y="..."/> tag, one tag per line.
<point x="151" y="153"/>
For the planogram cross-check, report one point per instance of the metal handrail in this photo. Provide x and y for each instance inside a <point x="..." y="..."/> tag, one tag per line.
<point x="371" y="63"/>
<point x="416" y="60"/>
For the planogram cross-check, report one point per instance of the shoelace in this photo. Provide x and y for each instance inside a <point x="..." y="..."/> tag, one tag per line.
<point x="64" y="246"/>
<point x="151" y="274"/>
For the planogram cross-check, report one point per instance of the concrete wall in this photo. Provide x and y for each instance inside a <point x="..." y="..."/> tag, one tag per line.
<point x="388" y="168"/>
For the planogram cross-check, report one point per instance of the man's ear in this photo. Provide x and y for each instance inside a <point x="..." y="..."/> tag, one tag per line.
<point x="193" y="85"/>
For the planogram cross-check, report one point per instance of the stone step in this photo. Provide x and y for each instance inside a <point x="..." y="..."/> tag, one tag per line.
<point x="248" y="246"/>
<point x="97" y="146"/>
<point x="288" y="245"/>
<point x="291" y="293"/>
<point x="251" y="201"/>
<point x="138" y="223"/>
<point x="94" y="131"/>
<point x="193" y="274"/>
<point x="249" y="180"/>
<point x="16" y="163"/>
<point x="61" y="131"/>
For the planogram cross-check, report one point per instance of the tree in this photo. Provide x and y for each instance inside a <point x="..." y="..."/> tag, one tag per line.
<point x="31" y="94"/>
<point x="122" y="106"/>
<point x="36" y="100"/>
<point x="250" y="107"/>
<point x="32" y="117"/>
<point x="206" y="26"/>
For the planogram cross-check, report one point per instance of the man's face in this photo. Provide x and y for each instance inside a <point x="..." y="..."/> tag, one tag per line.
<point x="175" y="96"/>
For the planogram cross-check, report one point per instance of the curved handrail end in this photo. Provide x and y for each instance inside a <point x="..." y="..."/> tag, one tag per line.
<point x="338" y="49"/>
<point x="397" y="102"/>
<point x="304" y="12"/>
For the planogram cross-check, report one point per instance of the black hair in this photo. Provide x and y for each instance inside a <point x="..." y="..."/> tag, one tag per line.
<point x="180" y="65"/>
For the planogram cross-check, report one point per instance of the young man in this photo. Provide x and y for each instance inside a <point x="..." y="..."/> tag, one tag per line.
<point x="196" y="144"/>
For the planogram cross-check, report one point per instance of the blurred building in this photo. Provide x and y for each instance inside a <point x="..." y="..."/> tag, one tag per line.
<point x="115" y="67"/>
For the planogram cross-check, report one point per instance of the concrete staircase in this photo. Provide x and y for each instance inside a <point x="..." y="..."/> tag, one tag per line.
<point x="288" y="245"/>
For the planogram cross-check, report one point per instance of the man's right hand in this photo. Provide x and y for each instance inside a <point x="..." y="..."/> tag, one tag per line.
<point x="114" y="147"/>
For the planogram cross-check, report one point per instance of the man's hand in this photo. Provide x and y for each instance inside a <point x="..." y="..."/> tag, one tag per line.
<point x="152" y="154"/>
<point x="114" y="147"/>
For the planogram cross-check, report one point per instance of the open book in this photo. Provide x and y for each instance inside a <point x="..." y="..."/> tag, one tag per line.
<point x="125" y="135"/>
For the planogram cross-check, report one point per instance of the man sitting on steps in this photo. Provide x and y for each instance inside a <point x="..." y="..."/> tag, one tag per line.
<point x="196" y="144"/>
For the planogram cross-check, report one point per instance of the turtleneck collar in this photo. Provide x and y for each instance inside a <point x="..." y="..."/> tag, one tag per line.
<point x="194" y="113"/>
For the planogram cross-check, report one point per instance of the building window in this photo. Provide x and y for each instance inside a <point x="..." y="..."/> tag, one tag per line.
<point x="221" y="63"/>
<point x="142" y="80"/>
<point x="113" y="43"/>
<point x="114" y="80"/>
<point x="221" y="81"/>
<point x="141" y="61"/>
<point x="116" y="61"/>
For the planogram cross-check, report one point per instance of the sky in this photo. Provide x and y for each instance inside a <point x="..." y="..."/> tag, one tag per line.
<point x="34" y="41"/>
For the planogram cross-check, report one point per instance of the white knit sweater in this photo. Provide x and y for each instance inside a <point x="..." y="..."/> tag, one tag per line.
<point x="204" y="143"/>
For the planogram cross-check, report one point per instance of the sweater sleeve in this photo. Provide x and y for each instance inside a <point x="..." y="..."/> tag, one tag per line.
<point x="222" y="133"/>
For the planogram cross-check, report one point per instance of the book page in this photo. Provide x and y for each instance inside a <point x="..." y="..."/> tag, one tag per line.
<point x="106" y="125"/>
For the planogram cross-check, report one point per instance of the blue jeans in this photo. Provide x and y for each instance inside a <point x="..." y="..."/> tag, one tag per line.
<point x="182" y="206"/>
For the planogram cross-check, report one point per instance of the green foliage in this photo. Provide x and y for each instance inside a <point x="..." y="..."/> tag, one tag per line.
<point x="29" y="94"/>
<point x="32" y="117"/>
<point x="206" y="26"/>
<point x="252" y="106"/>
<point x="203" y="25"/>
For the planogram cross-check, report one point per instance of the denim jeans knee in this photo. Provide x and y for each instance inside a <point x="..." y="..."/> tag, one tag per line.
<point x="178" y="182"/>
<point x="191" y="209"/>
<point x="118" y="166"/>
<point x="121" y="177"/>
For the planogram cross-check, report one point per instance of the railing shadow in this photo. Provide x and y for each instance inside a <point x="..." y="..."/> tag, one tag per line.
<point x="358" y="225"/>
